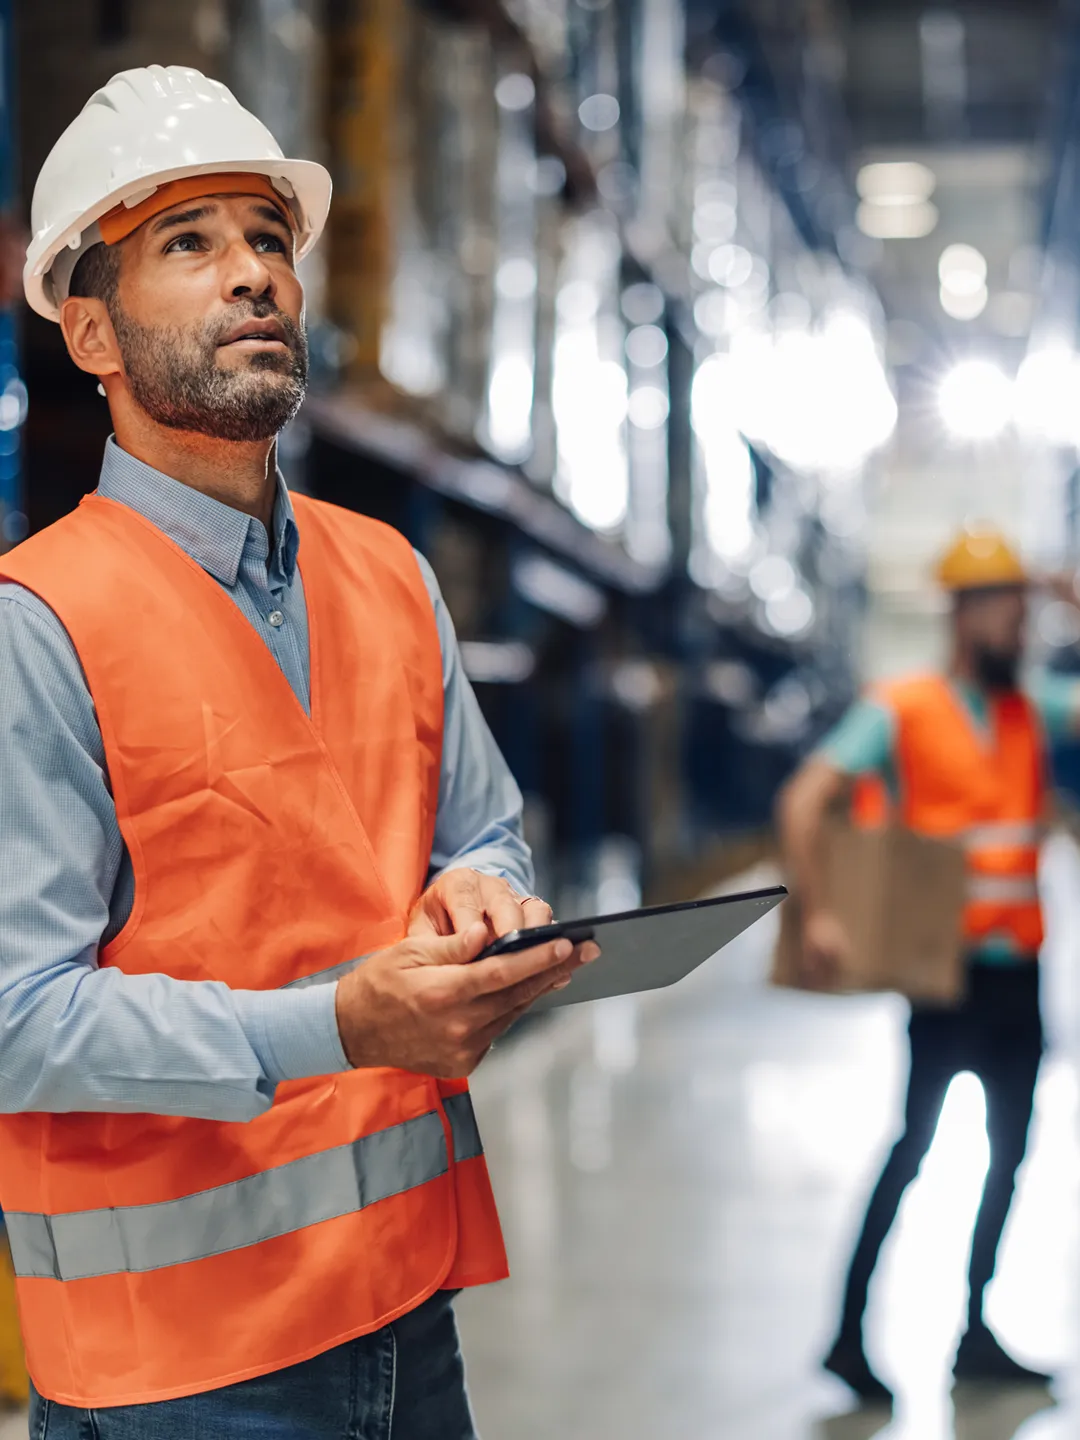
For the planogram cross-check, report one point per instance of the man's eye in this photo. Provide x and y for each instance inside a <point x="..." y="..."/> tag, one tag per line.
<point x="185" y="243"/>
<point x="272" y="242"/>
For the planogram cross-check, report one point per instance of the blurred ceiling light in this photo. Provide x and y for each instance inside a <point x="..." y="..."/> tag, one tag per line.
<point x="754" y="290"/>
<point x="577" y="302"/>
<point x="617" y="183"/>
<point x="731" y="682"/>
<point x="599" y="112"/>
<point x="515" y="92"/>
<point x="510" y="406"/>
<point x="975" y="400"/>
<point x="647" y="407"/>
<point x="820" y="400"/>
<point x="646" y="346"/>
<point x="715" y="221"/>
<point x="548" y="176"/>
<point x="967" y="305"/>
<point x="559" y="591"/>
<point x="638" y="685"/>
<point x="709" y="192"/>
<point x="1046" y="389"/>
<point x="773" y="577"/>
<point x="896" y="182"/>
<point x="711" y="313"/>
<point x="728" y="508"/>
<point x="589" y="398"/>
<point x="908" y="220"/>
<point x="497" y="662"/>
<point x="790" y="615"/>
<point x="962" y="269"/>
<point x="731" y="265"/>
<point x="1059" y="624"/>
<point x="516" y="279"/>
<point x="643" y="303"/>
<point x="700" y="257"/>
<point x="825" y="402"/>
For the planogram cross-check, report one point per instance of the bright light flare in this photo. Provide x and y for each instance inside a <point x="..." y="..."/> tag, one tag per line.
<point x="975" y="400"/>
<point x="728" y="510"/>
<point x="1047" y="389"/>
<point x="831" y="404"/>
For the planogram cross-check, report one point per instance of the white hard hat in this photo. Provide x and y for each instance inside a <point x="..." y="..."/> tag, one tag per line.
<point x="143" y="129"/>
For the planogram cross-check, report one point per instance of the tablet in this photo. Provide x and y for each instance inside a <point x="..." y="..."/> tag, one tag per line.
<point x="644" y="949"/>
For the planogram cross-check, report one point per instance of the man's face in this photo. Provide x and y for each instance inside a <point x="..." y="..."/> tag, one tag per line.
<point x="210" y="320"/>
<point x="991" y="626"/>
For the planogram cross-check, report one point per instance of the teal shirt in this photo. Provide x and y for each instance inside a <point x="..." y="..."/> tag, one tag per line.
<point x="864" y="743"/>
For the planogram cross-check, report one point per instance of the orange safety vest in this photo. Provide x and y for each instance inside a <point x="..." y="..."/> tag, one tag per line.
<point x="986" y="791"/>
<point x="161" y="1256"/>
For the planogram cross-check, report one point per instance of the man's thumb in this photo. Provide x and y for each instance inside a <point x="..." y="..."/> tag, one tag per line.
<point x="457" y="949"/>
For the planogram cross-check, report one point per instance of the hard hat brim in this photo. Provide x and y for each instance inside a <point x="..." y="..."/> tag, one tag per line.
<point x="310" y="182"/>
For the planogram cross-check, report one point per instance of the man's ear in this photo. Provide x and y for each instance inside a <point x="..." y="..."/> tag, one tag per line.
<point x="89" y="336"/>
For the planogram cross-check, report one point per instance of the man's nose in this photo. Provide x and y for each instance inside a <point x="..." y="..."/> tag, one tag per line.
<point x="247" y="273"/>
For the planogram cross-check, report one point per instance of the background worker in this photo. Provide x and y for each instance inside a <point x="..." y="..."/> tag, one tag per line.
<point x="963" y="756"/>
<point x="241" y="1173"/>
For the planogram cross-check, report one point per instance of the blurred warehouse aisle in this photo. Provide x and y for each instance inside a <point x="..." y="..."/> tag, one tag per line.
<point x="679" y="1185"/>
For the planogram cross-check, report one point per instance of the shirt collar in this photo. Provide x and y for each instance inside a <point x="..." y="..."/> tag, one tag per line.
<point x="212" y="534"/>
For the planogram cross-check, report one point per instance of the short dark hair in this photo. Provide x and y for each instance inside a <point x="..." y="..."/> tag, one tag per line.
<point x="97" y="274"/>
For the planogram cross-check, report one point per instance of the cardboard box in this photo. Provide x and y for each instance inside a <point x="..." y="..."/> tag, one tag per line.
<point x="901" y="898"/>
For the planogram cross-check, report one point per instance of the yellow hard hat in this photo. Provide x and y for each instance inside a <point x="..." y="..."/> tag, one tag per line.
<point x="980" y="558"/>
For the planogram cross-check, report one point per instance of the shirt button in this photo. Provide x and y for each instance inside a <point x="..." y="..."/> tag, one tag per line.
<point x="276" y="618"/>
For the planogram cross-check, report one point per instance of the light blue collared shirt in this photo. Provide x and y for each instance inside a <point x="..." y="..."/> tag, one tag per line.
<point x="74" y="1036"/>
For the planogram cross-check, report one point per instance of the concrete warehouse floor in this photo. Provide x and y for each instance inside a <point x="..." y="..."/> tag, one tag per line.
<point x="680" y="1181"/>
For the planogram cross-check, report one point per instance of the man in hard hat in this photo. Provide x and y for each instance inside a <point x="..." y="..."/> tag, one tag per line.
<point x="963" y="757"/>
<point x="241" y="1175"/>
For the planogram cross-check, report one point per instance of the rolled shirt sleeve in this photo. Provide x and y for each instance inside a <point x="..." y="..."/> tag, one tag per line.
<point x="74" y="1036"/>
<point x="863" y="742"/>
<point x="478" y="826"/>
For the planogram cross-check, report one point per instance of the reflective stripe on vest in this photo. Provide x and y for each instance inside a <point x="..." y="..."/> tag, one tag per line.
<point x="1003" y="889"/>
<point x="1003" y="835"/>
<point x="464" y="1130"/>
<point x="132" y="1239"/>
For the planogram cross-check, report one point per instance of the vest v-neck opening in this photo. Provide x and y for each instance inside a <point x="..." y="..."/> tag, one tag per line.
<point x="985" y="731"/>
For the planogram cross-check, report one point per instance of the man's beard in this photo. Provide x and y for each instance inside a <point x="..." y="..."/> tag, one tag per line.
<point x="997" y="671"/>
<point x="175" y="377"/>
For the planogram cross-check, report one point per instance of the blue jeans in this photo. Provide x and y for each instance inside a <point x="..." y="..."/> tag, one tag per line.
<point x="404" y="1382"/>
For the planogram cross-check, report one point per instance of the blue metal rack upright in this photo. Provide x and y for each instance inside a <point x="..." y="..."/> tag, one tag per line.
<point x="13" y="523"/>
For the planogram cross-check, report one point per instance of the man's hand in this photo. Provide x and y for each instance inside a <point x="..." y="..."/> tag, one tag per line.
<point x="428" y="1005"/>
<point x="460" y="898"/>
<point x="826" y="950"/>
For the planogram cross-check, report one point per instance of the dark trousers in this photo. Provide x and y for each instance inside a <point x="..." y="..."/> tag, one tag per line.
<point x="404" y="1382"/>
<point x="997" y="1034"/>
